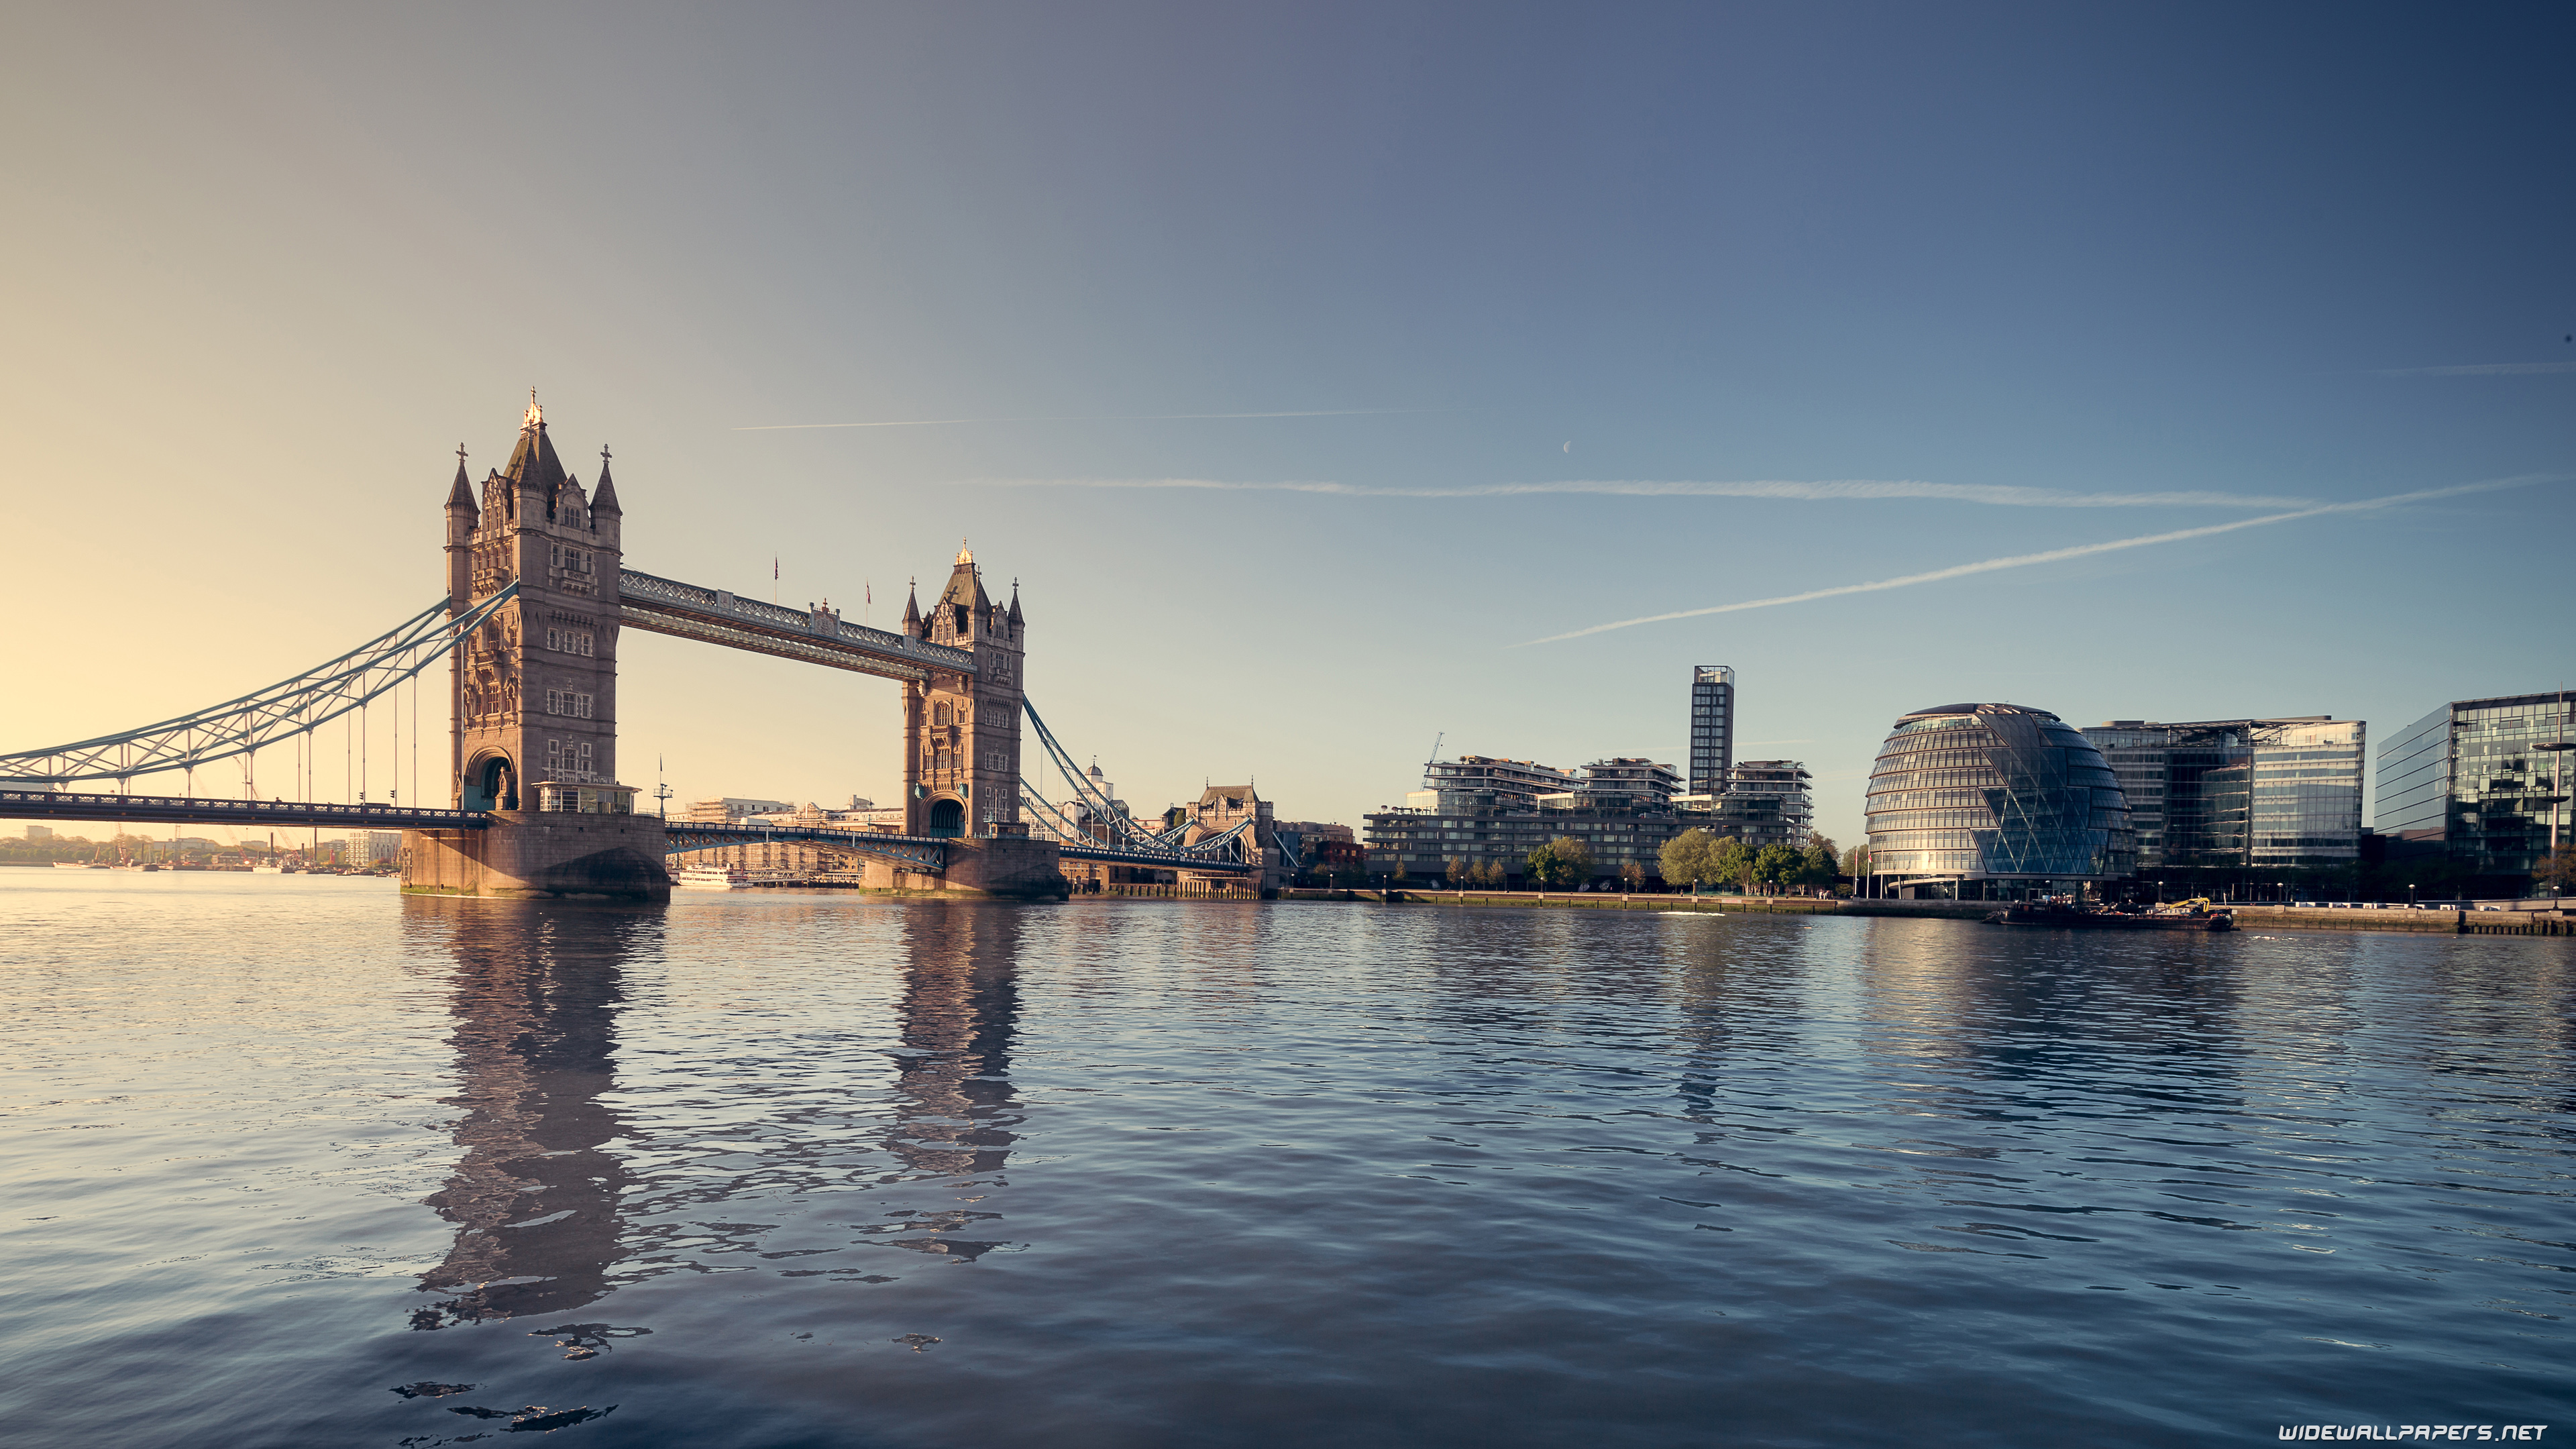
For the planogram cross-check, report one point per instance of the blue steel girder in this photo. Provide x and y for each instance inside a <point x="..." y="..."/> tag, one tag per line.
<point x="187" y="810"/>
<point x="263" y="717"/>
<point x="1217" y="852"/>
<point x="1158" y="859"/>
<point x="819" y="636"/>
<point x="922" y="852"/>
<point x="1158" y="847"/>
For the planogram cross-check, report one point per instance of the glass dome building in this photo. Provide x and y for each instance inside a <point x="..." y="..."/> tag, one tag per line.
<point x="1993" y="800"/>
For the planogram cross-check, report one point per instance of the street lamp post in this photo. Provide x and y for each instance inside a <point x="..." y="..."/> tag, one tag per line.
<point x="2557" y="750"/>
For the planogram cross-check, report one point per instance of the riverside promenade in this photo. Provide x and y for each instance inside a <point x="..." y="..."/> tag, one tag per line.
<point x="2553" y="922"/>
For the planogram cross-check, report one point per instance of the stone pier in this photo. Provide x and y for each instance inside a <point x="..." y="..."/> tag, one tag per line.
<point x="1013" y="867"/>
<point x="524" y="854"/>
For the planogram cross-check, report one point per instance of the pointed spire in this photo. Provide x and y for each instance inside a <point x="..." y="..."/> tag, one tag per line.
<point x="1015" y="606"/>
<point x="912" y="608"/>
<point x="965" y="555"/>
<point x="533" y="463"/>
<point x="603" y="499"/>
<point x="462" y="495"/>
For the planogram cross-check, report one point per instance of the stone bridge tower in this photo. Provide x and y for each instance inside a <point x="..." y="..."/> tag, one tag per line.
<point x="535" y="689"/>
<point x="534" y="692"/>
<point x="961" y="773"/>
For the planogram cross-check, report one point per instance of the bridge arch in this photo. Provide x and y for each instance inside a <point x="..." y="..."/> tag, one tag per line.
<point x="947" y="816"/>
<point x="491" y="782"/>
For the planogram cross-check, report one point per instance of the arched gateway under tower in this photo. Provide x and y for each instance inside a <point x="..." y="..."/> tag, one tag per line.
<point x="534" y="699"/>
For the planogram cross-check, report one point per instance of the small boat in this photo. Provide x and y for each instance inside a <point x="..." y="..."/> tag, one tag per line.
<point x="268" y="870"/>
<point x="71" y="865"/>
<point x="710" y="878"/>
<point x="2067" y="917"/>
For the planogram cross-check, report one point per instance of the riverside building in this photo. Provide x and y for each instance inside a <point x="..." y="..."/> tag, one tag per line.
<point x="2479" y="785"/>
<point x="1765" y="802"/>
<point x="2240" y="800"/>
<point x="1484" y="812"/>
<point x="1712" y="728"/>
<point x="1992" y="801"/>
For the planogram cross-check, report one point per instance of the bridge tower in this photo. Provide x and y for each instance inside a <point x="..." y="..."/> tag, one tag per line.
<point x="962" y="732"/>
<point x="535" y="690"/>
<point x="533" y="694"/>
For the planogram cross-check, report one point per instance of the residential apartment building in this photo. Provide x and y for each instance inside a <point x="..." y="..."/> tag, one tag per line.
<point x="1423" y="842"/>
<point x="1472" y="783"/>
<point x="1712" y="728"/>
<point x="1765" y="802"/>
<point x="730" y="809"/>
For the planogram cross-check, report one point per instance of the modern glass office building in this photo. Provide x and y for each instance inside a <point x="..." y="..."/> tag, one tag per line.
<point x="2240" y="794"/>
<point x="2476" y="781"/>
<point x="1993" y="800"/>
<point x="1712" y="737"/>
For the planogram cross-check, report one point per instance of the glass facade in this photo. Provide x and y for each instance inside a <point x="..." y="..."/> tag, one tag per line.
<point x="2307" y="793"/>
<point x="2240" y="793"/>
<point x="2471" y="781"/>
<point x="1712" y="725"/>
<point x="1994" y="792"/>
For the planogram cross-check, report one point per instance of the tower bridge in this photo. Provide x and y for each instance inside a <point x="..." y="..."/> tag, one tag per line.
<point x="537" y="597"/>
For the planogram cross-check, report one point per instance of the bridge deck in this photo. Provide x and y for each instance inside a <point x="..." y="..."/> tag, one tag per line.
<point x="194" y="810"/>
<point x="930" y="852"/>
<point x="1159" y="860"/>
<point x="714" y="616"/>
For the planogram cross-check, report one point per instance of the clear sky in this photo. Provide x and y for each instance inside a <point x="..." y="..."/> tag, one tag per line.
<point x="1550" y="317"/>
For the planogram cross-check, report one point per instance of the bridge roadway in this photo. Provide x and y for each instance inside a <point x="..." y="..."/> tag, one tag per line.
<point x="929" y="852"/>
<point x="925" y="852"/>
<point x="198" y="810"/>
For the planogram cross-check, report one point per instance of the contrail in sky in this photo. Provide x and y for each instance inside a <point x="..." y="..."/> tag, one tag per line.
<point x="2056" y="554"/>
<point x="1806" y="490"/>
<point x="2480" y="369"/>
<point x="1100" y="418"/>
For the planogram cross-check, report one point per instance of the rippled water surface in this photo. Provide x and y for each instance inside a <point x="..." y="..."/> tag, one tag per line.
<point x="299" y="1161"/>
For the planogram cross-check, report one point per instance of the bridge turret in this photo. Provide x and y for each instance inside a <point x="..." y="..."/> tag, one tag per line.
<point x="607" y="515"/>
<point x="462" y="519"/>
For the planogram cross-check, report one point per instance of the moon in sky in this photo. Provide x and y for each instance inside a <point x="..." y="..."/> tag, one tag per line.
<point x="1569" y="447"/>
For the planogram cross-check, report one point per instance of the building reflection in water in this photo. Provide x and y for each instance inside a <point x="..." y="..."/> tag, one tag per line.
<point x="536" y="988"/>
<point x="955" y="1108"/>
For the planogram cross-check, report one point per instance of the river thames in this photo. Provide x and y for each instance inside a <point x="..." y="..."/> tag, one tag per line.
<point x="297" y="1161"/>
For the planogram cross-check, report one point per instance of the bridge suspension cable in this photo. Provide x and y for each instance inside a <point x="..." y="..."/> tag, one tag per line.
<point x="1125" y="832"/>
<point x="290" y="708"/>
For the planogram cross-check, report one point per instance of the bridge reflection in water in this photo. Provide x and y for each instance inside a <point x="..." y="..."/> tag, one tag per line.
<point x="535" y="1198"/>
<point x="544" y="1206"/>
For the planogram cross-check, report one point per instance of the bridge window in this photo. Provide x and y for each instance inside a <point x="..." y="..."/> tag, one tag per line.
<point x="939" y="714"/>
<point x="568" y="702"/>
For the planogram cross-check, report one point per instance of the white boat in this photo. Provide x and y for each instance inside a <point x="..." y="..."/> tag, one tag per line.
<point x="709" y="878"/>
<point x="71" y="865"/>
<point x="268" y="870"/>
